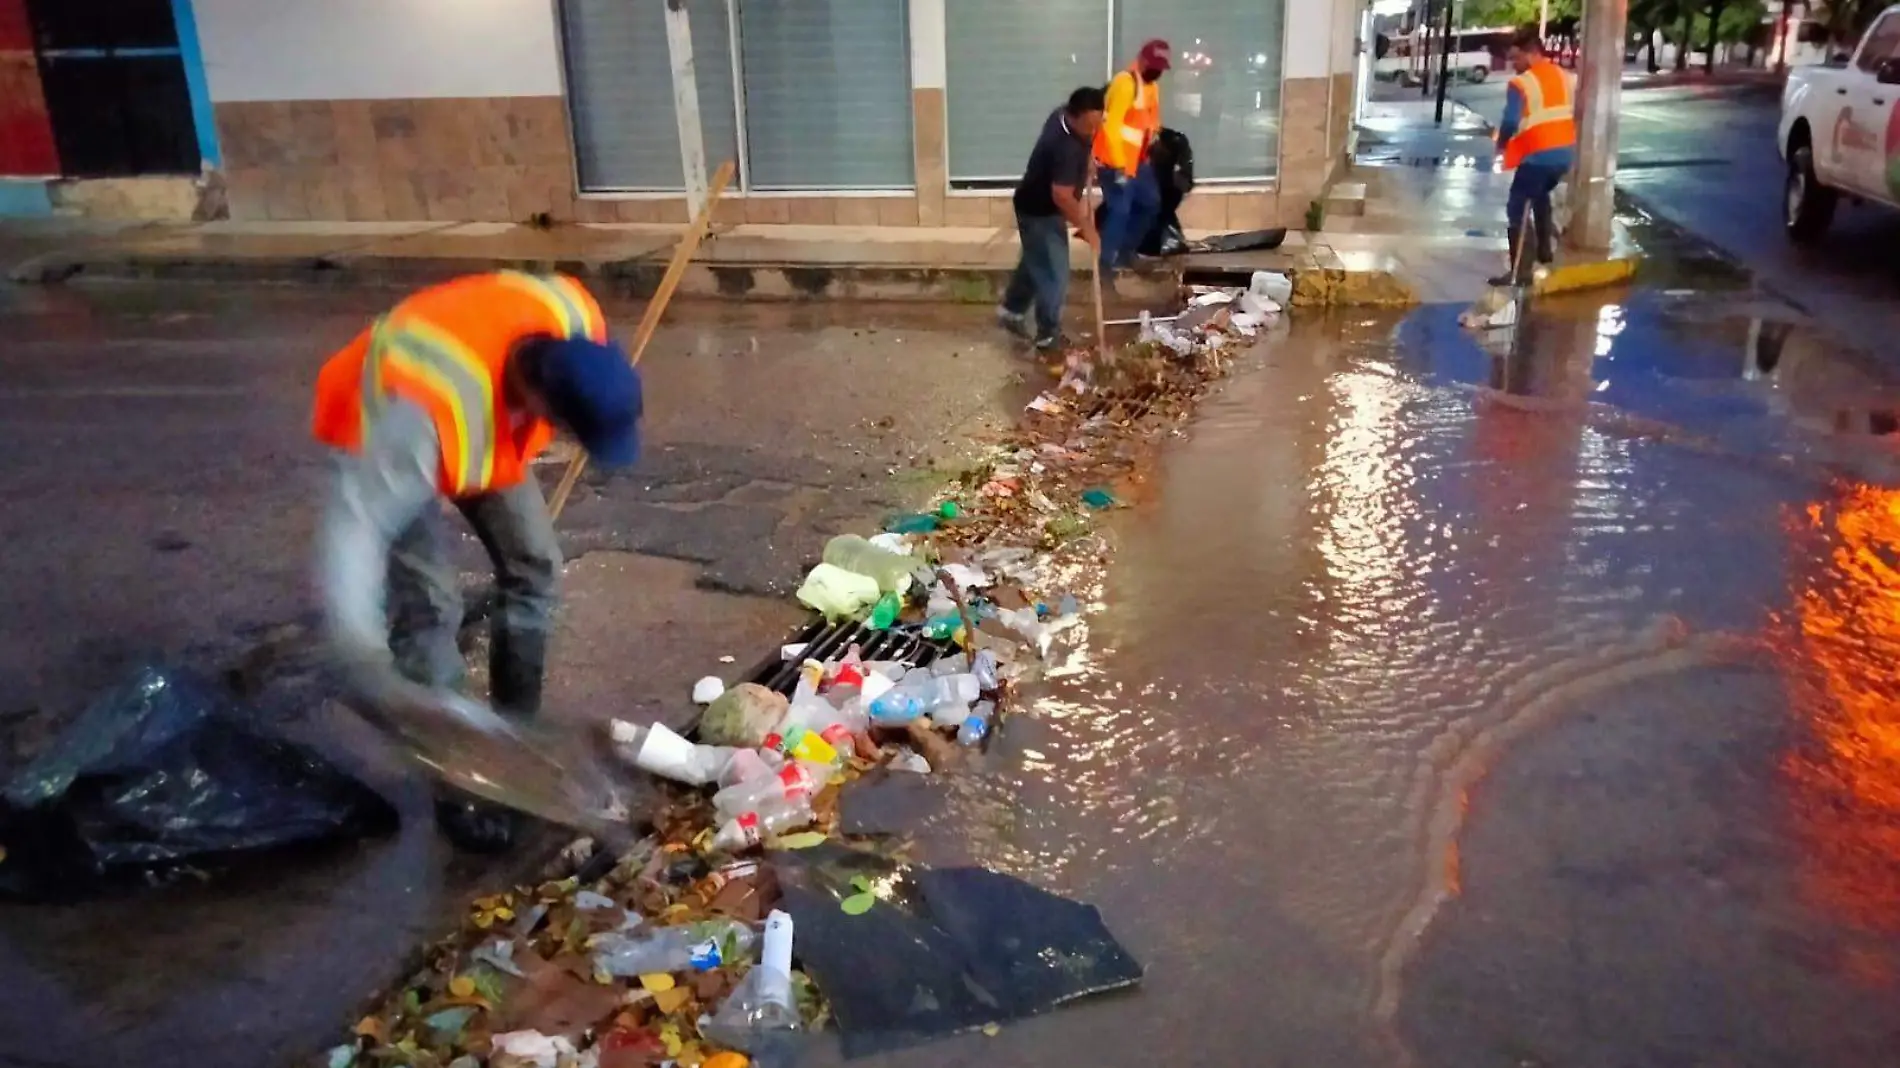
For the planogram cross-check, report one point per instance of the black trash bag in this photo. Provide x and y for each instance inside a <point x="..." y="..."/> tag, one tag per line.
<point x="1172" y="158"/>
<point x="942" y="950"/>
<point x="160" y="773"/>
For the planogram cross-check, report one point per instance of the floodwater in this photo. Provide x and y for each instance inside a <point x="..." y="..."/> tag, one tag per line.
<point x="1453" y="704"/>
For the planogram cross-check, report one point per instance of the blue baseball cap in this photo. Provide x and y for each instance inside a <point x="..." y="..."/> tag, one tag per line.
<point x="594" y="393"/>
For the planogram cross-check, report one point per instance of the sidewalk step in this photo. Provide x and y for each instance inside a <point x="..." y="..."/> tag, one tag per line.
<point x="1346" y="198"/>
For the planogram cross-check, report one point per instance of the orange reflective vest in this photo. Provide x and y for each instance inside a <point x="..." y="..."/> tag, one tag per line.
<point x="444" y="349"/>
<point x="1140" y="125"/>
<point x="1549" y="121"/>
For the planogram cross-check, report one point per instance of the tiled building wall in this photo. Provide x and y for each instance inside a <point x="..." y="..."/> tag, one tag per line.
<point x="509" y="158"/>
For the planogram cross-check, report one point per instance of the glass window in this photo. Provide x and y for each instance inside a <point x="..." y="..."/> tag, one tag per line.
<point x="1224" y="90"/>
<point x="1010" y="63"/>
<point x="1883" y="43"/>
<point x="827" y="94"/>
<point x="620" y="92"/>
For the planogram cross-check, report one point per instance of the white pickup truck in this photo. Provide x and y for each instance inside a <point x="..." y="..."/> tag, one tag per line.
<point x="1840" y="131"/>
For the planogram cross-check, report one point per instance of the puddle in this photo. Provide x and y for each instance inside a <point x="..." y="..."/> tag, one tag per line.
<point x="1379" y="561"/>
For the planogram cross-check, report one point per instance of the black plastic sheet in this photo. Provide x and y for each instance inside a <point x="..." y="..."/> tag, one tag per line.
<point x="163" y="772"/>
<point x="943" y="950"/>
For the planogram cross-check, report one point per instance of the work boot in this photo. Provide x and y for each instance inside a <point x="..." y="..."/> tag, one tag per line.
<point x="517" y="667"/>
<point x="1015" y="322"/>
<point x="474" y="825"/>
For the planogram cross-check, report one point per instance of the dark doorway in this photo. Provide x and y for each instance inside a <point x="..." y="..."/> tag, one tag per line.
<point x="115" y="87"/>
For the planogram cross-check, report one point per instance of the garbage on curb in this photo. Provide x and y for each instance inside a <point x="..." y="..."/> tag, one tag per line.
<point x="851" y="731"/>
<point x="164" y="773"/>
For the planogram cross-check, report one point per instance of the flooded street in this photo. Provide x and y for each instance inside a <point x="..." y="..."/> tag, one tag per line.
<point x="1438" y="703"/>
<point x="1444" y="707"/>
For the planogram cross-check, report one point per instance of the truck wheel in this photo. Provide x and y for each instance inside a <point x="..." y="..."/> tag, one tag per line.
<point x="1809" y="205"/>
<point x="1478" y="74"/>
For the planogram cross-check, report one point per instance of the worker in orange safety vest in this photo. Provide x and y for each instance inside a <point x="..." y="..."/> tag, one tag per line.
<point x="1131" y="197"/>
<point x="1538" y="138"/>
<point x="447" y="399"/>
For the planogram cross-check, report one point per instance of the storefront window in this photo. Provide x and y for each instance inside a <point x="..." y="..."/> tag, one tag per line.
<point x="1010" y="64"/>
<point x="827" y="94"/>
<point x="1224" y="90"/>
<point x="620" y="90"/>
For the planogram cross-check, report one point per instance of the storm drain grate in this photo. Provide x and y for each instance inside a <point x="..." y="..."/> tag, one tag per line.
<point x="829" y="641"/>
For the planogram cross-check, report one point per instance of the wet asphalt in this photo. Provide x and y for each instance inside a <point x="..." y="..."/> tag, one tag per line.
<point x="1442" y="700"/>
<point x="160" y="500"/>
<point x="1704" y="158"/>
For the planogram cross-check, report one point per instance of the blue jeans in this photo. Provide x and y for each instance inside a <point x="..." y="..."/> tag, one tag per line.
<point x="1531" y="188"/>
<point x="1042" y="274"/>
<point x="1129" y="207"/>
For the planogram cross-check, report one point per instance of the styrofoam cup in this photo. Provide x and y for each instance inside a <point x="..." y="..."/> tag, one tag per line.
<point x="668" y="755"/>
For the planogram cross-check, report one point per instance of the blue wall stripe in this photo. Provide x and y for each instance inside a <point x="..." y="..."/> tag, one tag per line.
<point x="202" y="116"/>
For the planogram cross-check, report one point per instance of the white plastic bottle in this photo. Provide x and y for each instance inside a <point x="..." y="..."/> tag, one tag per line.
<point x="792" y="782"/>
<point x="748" y="829"/>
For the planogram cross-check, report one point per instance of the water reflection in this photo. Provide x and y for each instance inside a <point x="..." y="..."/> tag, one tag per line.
<point x="1843" y="651"/>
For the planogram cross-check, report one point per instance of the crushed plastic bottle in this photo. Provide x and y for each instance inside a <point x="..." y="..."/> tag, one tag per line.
<point x="947" y="698"/>
<point x="984" y="667"/>
<point x="891" y="571"/>
<point x="976" y="726"/>
<point x="748" y="829"/>
<point x="761" y="1006"/>
<point x="698" y="946"/>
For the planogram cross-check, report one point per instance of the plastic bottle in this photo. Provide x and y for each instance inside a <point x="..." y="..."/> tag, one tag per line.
<point x="976" y="726"/>
<point x="947" y="698"/>
<point x="747" y="829"/>
<point x="699" y="946"/>
<point x="792" y="782"/>
<point x="800" y="744"/>
<point x="761" y="1008"/>
<point x="745" y="765"/>
<point x="897" y="708"/>
<point x="984" y="668"/>
<point x="885" y="612"/>
<point x="955" y="664"/>
<point x="890" y="570"/>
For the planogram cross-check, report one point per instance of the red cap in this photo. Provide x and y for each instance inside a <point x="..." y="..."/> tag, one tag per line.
<point x="1155" y="54"/>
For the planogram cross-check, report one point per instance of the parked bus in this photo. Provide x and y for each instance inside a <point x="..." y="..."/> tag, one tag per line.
<point x="1410" y="59"/>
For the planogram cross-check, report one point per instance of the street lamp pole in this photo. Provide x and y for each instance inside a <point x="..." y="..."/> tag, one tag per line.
<point x="1444" y="66"/>
<point x="1599" y="99"/>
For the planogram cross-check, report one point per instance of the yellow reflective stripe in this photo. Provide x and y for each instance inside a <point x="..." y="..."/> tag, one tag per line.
<point x="586" y="312"/>
<point x="462" y="380"/>
<point x="371" y="385"/>
<point x="1133" y="135"/>
<point x="558" y="297"/>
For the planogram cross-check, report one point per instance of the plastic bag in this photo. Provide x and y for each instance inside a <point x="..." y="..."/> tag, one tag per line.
<point x="838" y="593"/>
<point x="163" y="771"/>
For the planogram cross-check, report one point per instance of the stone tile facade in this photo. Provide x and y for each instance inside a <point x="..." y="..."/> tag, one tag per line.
<point x="488" y="159"/>
<point x="506" y="159"/>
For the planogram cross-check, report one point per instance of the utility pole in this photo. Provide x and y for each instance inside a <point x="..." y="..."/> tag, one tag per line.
<point x="1543" y="20"/>
<point x="1781" y="39"/>
<point x="1599" y="99"/>
<point x="1444" y="66"/>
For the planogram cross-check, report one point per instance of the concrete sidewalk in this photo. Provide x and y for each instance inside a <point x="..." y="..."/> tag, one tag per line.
<point x="1418" y="218"/>
<point x="1425" y="201"/>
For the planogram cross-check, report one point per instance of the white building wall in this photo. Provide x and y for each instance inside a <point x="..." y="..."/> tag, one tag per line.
<point x="258" y="50"/>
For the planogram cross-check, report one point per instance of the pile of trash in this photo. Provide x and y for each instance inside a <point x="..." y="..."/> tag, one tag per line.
<point x="682" y="950"/>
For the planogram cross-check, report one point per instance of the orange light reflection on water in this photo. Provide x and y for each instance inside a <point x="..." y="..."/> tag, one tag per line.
<point x="1843" y="647"/>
